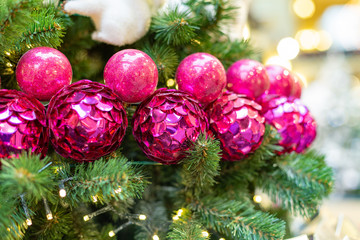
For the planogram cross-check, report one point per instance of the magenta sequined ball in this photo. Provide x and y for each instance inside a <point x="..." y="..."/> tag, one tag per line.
<point x="293" y="121"/>
<point x="86" y="121"/>
<point x="22" y="124"/>
<point x="165" y="122"/>
<point x="236" y="122"/>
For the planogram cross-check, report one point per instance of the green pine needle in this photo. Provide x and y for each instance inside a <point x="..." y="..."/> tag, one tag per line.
<point x="24" y="175"/>
<point x="186" y="227"/>
<point x="299" y="181"/>
<point x="174" y="27"/>
<point x="237" y="175"/>
<point x="165" y="59"/>
<point x="201" y="165"/>
<point x="238" y="219"/>
<point x="106" y="179"/>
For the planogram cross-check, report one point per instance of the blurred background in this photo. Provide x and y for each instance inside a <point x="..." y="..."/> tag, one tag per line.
<point x="320" y="41"/>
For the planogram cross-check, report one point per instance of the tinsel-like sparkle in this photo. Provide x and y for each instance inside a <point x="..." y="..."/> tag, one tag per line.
<point x="86" y="121"/>
<point x="165" y="122"/>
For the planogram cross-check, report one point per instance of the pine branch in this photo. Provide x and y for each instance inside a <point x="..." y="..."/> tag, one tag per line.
<point x="211" y="14"/>
<point x="238" y="220"/>
<point x="299" y="181"/>
<point x="201" y="165"/>
<point x="165" y="59"/>
<point x="174" y="27"/>
<point x="54" y="229"/>
<point x="228" y="51"/>
<point x="14" y="17"/>
<point x="108" y="179"/>
<point x="46" y="29"/>
<point x="24" y="175"/>
<point x="186" y="227"/>
<point x="12" y="217"/>
<point x="237" y="175"/>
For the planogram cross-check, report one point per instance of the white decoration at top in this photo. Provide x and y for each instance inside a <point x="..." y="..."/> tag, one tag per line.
<point x="117" y="22"/>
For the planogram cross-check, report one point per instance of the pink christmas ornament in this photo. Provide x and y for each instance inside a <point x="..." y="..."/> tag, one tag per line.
<point x="86" y="121"/>
<point x="247" y="77"/>
<point x="22" y="124"/>
<point x="42" y="72"/>
<point x="201" y="75"/>
<point x="132" y="74"/>
<point x="164" y="124"/>
<point x="281" y="80"/>
<point x="293" y="121"/>
<point x="237" y="123"/>
<point x="296" y="90"/>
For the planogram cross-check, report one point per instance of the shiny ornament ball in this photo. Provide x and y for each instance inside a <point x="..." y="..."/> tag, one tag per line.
<point x="236" y="121"/>
<point x="281" y="80"/>
<point x="247" y="77"/>
<point x="293" y="121"/>
<point x="201" y="75"/>
<point x="42" y="72"/>
<point x="86" y="121"/>
<point x="165" y="122"/>
<point x="22" y="124"/>
<point x="131" y="74"/>
<point x="296" y="90"/>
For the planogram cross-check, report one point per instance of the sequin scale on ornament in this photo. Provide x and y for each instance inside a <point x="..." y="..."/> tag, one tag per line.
<point x="236" y="121"/>
<point x="86" y="121"/>
<point x="22" y="124"/>
<point x="165" y="122"/>
<point x="293" y="121"/>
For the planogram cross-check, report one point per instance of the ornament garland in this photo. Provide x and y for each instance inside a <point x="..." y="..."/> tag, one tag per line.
<point x="86" y="120"/>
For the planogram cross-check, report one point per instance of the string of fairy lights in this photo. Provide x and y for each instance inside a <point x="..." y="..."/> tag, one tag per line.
<point x="138" y="219"/>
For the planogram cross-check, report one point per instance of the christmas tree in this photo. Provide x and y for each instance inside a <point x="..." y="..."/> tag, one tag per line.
<point x="200" y="186"/>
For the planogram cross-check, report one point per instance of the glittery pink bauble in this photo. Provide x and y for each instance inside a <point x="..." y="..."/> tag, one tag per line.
<point x="281" y="80"/>
<point x="236" y="121"/>
<point x="165" y="122"/>
<point x="86" y="121"/>
<point x="22" y="124"/>
<point x="132" y="74"/>
<point x="296" y="90"/>
<point x="293" y="121"/>
<point x="42" y="72"/>
<point x="247" y="77"/>
<point x="201" y="75"/>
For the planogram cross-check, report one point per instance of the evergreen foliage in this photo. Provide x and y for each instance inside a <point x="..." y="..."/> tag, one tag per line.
<point x="212" y="194"/>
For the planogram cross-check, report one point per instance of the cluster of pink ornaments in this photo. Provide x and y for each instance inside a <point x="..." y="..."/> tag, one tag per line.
<point x="86" y="120"/>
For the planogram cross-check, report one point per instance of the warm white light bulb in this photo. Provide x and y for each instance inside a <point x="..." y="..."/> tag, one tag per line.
<point x="49" y="216"/>
<point x="179" y="212"/>
<point x="221" y="238"/>
<point x="205" y="234"/>
<point x="28" y="222"/>
<point x="86" y="218"/>
<point x="142" y="217"/>
<point x="94" y="199"/>
<point x="111" y="234"/>
<point x="155" y="237"/>
<point x="176" y="217"/>
<point x="257" y="198"/>
<point x="62" y="193"/>
<point x="118" y="190"/>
